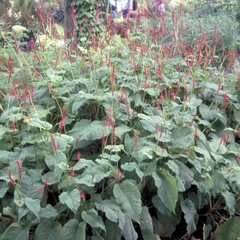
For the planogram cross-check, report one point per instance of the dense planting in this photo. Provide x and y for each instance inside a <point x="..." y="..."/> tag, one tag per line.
<point x="133" y="136"/>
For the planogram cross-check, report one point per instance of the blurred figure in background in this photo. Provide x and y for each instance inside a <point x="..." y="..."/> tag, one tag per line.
<point x="10" y="8"/>
<point x="113" y="8"/>
<point x="126" y="6"/>
<point x="159" y="6"/>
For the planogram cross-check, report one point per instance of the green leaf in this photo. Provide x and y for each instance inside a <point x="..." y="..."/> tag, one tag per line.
<point x="73" y="230"/>
<point x="129" y="232"/>
<point x="52" y="159"/>
<point x="16" y="232"/>
<point x="206" y="231"/>
<point x="72" y="199"/>
<point x="146" y="225"/>
<point x="2" y="131"/>
<point x="207" y="113"/>
<point x="167" y="189"/>
<point x="236" y="114"/>
<point x="88" y="130"/>
<point x="48" y="229"/>
<point x="92" y="218"/>
<point x="230" y="201"/>
<point x="190" y="214"/>
<point x="129" y="198"/>
<point x="132" y="166"/>
<point x="59" y="29"/>
<point x="182" y="137"/>
<point x="129" y="142"/>
<point x="113" y="231"/>
<point x="229" y="230"/>
<point x="48" y="212"/>
<point x="34" y="206"/>
<point x="36" y="122"/>
<point x="3" y="188"/>
<point x="185" y="174"/>
<point x="109" y="207"/>
<point x="218" y="182"/>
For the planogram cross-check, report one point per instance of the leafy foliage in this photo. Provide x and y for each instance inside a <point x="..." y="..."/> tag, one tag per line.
<point x="129" y="139"/>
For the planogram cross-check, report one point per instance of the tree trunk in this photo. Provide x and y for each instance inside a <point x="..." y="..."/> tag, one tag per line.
<point x="68" y="19"/>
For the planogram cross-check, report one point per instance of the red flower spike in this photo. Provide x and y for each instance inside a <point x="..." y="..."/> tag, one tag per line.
<point x="136" y="140"/>
<point x="103" y="139"/>
<point x="13" y="126"/>
<point x="12" y="180"/>
<point x="18" y="162"/>
<point x="195" y="133"/>
<point x="238" y="159"/>
<point x="225" y="98"/>
<point x="43" y="187"/>
<point x="108" y="118"/>
<point x="72" y="172"/>
<point x="54" y="145"/>
<point x="82" y="195"/>
<point x="118" y="175"/>
<point x="76" y="141"/>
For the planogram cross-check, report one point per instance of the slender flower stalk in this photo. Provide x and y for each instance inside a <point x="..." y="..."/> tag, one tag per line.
<point x="12" y="180"/>
<point x="18" y="162"/>
<point x="118" y="175"/>
<point x="13" y="126"/>
<point x="72" y="172"/>
<point x="43" y="187"/>
<point x="82" y="195"/>
<point x="136" y="140"/>
<point x="54" y="145"/>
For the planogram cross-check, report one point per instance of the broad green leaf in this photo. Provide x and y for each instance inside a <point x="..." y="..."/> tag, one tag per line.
<point x="59" y="29"/>
<point x="72" y="199"/>
<point x="110" y="157"/>
<point x="48" y="212"/>
<point x="146" y="225"/>
<point x="52" y="159"/>
<point x="167" y="189"/>
<point x="73" y="230"/>
<point x="129" y="142"/>
<point x="4" y="156"/>
<point x="185" y="174"/>
<point x="88" y="130"/>
<point x="206" y="231"/>
<point x="229" y="230"/>
<point x="16" y="232"/>
<point x="182" y="137"/>
<point x="121" y="129"/>
<point x="109" y="207"/>
<point x="230" y="201"/>
<point x="2" y="131"/>
<point x="129" y="198"/>
<point x="34" y="206"/>
<point x="152" y="122"/>
<point x="218" y="182"/>
<point x="9" y="212"/>
<point x="149" y="168"/>
<point x="132" y="166"/>
<point x="36" y="122"/>
<point x="92" y="218"/>
<point x="2" y="228"/>
<point x="146" y="220"/>
<point x="113" y="231"/>
<point x="207" y="113"/>
<point x="236" y="114"/>
<point x="190" y="215"/>
<point x="3" y="188"/>
<point x="128" y="231"/>
<point x="48" y="229"/>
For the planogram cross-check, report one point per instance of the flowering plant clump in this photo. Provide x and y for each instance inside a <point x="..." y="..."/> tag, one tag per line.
<point x="136" y="137"/>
